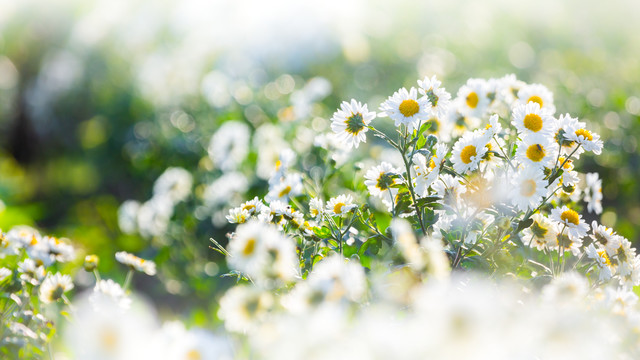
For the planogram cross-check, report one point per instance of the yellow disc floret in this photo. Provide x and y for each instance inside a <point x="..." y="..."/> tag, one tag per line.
<point x="533" y="122"/>
<point x="570" y="216"/>
<point x="409" y="107"/>
<point x="472" y="100"/>
<point x="467" y="153"/>
<point x="586" y="134"/>
<point x="535" y="153"/>
<point x="528" y="188"/>
<point x="536" y="99"/>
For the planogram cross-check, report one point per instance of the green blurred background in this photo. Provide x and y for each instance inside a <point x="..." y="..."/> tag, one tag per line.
<point x="98" y="98"/>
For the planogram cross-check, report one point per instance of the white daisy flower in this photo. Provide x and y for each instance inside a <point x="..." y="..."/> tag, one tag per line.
<point x="531" y="119"/>
<point x="602" y="260"/>
<point x="4" y="273"/>
<point x="254" y="207"/>
<point x="315" y="207"/>
<point x="542" y="232"/>
<point x="238" y="215"/>
<point x="261" y="252"/>
<point x="350" y="123"/>
<point x="529" y="188"/>
<point x="290" y="186"/>
<point x="537" y="151"/>
<point x="111" y="291"/>
<point x="146" y="266"/>
<point x="449" y="189"/>
<point x="340" y="205"/>
<point x="606" y="237"/>
<point x="538" y="94"/>
<point x="229" y="146"/>
<point x="468" y="151"/>
<point x="438" y="97"/>
<point x="338" y="279"/>
<point x="30" y="272"/>
<point x="472" y="99"/>
<point x="630" y="273"/>
<point x="405" y="108"/>
<point x="426" y="172"/>
<point x="379" y="179"/>
<point x="571" y="221"/>
<point x="54" y="286"/>
<point x="625" y="252"/>
<point x="593" y="193"/>
<point x="128" y="216"/>
<point x="243" y="307"/>
<point x="563" y="124"/>
<point x="22" y="236"/>
<point x="493" y="127"/>
<point x="590" y="141"/>
<point x="174" y="183"/>
<point x="507" y="89"/>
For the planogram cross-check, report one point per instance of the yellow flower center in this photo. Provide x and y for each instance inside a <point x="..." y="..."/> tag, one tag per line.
<point x="528" y="188"/>
<point x="285" y="191"/>
<point x="337" y="208"/>
<point x="536" y="99"/>
<point x="432" y="164"/>
<point x="538" y="230"/>
<point x="467" y="153"/>
<point x="533" y="122"/>
<point x="249" y="207"/>
<point x="194" y="355"/>
<point x="249" y="247"/>
<point x="603" y="254"/>
<point x="535" y="153"/>
<point x="472" y="100"/>
<point x="409" y="107"/>
<point x="109" y="340"/>
<point x="584" y="133"/>
<point x="570" y="216"/>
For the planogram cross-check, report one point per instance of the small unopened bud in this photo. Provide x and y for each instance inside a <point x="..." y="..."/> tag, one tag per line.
<point x="504" y="223"/>
<point x="432" y="140"/>
<point x="91" y="262"/>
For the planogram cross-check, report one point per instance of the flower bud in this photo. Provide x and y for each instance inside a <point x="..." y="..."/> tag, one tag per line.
<point x="91" y="262"/>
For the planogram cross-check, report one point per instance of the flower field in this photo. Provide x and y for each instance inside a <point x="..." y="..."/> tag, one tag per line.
<point x="191" y="180"/>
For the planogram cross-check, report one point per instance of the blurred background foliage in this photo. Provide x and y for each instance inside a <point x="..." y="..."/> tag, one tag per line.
<point x="98" y="98"/>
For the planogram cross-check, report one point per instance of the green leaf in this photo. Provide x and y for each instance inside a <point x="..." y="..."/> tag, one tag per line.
<point x="427" y="200"/>
<point x="322" y="232"/>
<point x="348" y="250"/>
<point x="524" y="224"/>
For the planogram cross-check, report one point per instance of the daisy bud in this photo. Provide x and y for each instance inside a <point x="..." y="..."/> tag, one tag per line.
<point x="91" y="262"/>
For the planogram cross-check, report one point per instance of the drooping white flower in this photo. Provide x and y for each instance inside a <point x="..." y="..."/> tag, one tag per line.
<point x="54" y="286"/>
<point x="438" y="97"/>
<point x="146" y="266"/>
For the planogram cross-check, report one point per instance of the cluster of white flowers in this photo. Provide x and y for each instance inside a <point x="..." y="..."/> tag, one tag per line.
<point x="110" y="324"/>
<point x="29" y="281"/>
<point x="486" y="178"/>
<point x="152" y="217"/>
